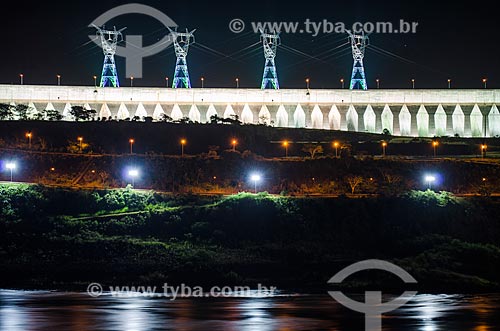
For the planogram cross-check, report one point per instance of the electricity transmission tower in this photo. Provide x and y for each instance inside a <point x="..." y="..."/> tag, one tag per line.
<point x="358" y="44"/>
<point x="181" y="41"/>
<point x="109" y="40"/>
<point x="270" y="42"/>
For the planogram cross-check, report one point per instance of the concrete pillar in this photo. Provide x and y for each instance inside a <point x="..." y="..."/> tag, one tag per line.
<point x="352" y="119"/>
<point x="369" y="119"/>
<point x="404" y="122"/>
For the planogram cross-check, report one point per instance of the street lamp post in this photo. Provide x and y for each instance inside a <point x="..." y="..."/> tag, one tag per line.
<point x="11" y="166"/>
<point x="255" y="178"/>
<point x="21" y="78"/>
<point x="483" y="150"/>
<point x="336" y="145"/>
<point x="285" y="144"/>
<point x="233" y="143"/>
<point x="429" y="179"/>
<point x="449" y="83"/>
<point x="29" y="135"/>
<point x="133" y="173"/>
<point x="307" y="83"/>
<point x="413" y="83"/>
<point x="131" y="81"/>
<point x="202" y="82"/>
<point x="435" y="144"/>
<point x="342" y="82"/>
<point x="166" y="79"/>
<point x="95" y="81"/>
<point x="131" y="142"/>
<point x="237" y="82"/>
<point x="80" y="139"/>
<point x="183" y="142"/>
<point x="378" y="83"/>
<point x="384" y="145"/>
<point x="484" y="82"/>
<point x="58" y="80"/>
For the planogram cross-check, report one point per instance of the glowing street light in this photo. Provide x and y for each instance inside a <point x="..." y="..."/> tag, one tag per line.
<point x="378" y="82"/>
<point x="307" y="83"/>
<point x="95" y="81"/>
<point x="342" y="82"/>
<point x="58" y="80"/>
<point x="384" y="145"/>
<point x="485" y="80"/>
<point x="21" y="78"/>
<point x="10" y="166"/>
<point x="202" y="82"/>
<point x="234" y="142"/>
<point x="131" y="142"/>
<point x="133" y="174"/>
<point x="131" y="81"/>
<point x="336" y="146"/>
<point x="449" y="83"/>
<point x="29" y="135"/>
<point x="80" y="140"/>
<point x="255" y="179"/>
<point x="237" y="82"/>
<point x="429" y="179"/>
<point x="435" y="144"/>
<point x="413" y="83"/>
<point x="285" y="144"/>
<point x="183" y="143"/>
<point x="166" y="79"/>
<point x="483" y="150"/>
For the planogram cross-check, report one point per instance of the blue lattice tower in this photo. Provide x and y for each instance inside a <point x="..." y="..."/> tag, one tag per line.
<point x="109" y="40"/>
<point x="181" y="41"/>
<point x="270" y="43"/>
<point x="358" y="45"/>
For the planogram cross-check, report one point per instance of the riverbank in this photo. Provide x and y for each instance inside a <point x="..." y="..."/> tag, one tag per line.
<point x="65" y="239"/>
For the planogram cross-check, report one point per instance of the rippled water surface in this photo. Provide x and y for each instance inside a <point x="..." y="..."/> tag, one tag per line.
<point x="21" y="310"/>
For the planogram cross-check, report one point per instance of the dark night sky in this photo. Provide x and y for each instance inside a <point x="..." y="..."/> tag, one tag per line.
<point x="453" y="41"/>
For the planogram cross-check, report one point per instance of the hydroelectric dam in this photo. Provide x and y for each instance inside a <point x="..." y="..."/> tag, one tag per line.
<point x="404" y="112"/>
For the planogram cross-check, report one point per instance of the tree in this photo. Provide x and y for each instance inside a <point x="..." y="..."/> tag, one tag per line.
<point x="43" y="143"/>
<point x="393" y="184"/>
<point x="165" y="118"/>
<point x="6" y="111"/>
<point x="215" y="119"/>
<point x="264" y="120"/>
<point x="235" y="118"/>
<point x="354" y="181"/>
<point x="312" y="149"/>
<point x="80" y="113"/>
<point x="103" y="175"/>
<point x="77" y="147"/>
<point x="52" y="115"/>
<point x="22" y="112"/>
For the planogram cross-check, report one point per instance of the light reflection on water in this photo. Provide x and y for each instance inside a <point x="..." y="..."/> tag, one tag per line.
<point x="21" y="310"/>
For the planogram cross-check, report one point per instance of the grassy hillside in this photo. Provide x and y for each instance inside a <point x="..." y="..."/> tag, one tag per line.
<point x="159" y="137"/>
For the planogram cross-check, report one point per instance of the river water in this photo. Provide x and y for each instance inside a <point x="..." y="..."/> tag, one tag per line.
<point x="57" y="311"/>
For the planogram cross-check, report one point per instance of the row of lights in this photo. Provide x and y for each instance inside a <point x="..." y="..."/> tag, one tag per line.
<point x="131" y="141"/>
<point x="237" y="81"/>
<point x="384" y="145"/>
<point x="134" y="173"/>
<point x="285" y="144"/>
